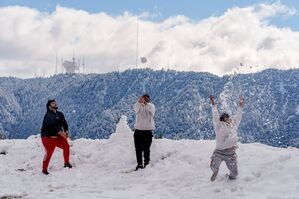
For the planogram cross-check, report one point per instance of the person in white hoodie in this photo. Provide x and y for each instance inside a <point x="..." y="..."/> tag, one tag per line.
<point x="144" y="125"/>
<point x="225" y="128"/>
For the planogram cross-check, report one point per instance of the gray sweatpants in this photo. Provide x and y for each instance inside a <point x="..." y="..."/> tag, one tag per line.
<point x="229" y="156"/>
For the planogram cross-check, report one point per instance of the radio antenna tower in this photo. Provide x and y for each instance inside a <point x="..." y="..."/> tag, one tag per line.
<point x="56" y="68"/>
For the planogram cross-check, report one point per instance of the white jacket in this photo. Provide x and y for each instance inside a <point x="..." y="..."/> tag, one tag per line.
<point x="226" y="134"/>
<point x="144" y="116"/>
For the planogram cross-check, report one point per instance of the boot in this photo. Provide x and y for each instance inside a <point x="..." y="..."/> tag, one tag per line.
<point x="45" y="172"/>
<point x="145" y="164"/>
<point x="139" y="167"/>
<point x="68" y="165"/>
<point x="213" y="177"/>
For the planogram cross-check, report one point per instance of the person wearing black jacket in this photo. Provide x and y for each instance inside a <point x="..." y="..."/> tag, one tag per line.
<point x="54" y="133"/>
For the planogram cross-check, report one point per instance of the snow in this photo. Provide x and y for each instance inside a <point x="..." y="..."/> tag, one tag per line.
<point x="297" y="110"/>
<point x="178" y="169"/>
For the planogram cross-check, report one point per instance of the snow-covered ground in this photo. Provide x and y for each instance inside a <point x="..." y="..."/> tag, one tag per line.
<point x="178" y="169"/>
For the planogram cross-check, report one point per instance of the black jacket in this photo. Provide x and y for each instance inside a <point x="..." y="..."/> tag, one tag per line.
<point x="53" y="123"/>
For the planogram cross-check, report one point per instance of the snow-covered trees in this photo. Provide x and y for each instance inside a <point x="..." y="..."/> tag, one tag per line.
<point x="94" y="103"/>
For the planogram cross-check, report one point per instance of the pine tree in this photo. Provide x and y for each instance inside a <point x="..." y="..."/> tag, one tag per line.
<point x="2" y="136"/>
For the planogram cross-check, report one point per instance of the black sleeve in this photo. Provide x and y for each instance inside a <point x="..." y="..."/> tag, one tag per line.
<point x="64" y="123"/>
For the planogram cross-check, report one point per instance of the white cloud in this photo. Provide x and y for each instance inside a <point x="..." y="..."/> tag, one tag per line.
<point x="30" y="39"/>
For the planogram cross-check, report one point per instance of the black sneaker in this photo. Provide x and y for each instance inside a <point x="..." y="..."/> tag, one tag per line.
<point x="145" y="164"/>
<point x="139" y="167"/>
<point x="45" y="172"/>
<point x="68" y="165"/>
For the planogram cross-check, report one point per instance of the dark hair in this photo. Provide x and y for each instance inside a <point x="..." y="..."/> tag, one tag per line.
<point x="146" y="96"/>
<point x="49" y="102"/>
<point x="223" y="116"/>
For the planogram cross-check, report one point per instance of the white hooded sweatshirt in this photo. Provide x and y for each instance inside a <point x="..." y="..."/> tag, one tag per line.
<point x="226" y="133"/>
<point x="144" y="116"/>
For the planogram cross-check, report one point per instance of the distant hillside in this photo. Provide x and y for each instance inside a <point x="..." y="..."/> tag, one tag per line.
<point x="94" y="103"/>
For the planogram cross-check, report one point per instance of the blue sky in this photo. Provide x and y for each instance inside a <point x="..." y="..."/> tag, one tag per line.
<point x="194" y="9"/>
<point x="205" y="36"/>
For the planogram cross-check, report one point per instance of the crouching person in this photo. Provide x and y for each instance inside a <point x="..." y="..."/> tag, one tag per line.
<point x="54" y="133"/>
<point x="225" y="128"/>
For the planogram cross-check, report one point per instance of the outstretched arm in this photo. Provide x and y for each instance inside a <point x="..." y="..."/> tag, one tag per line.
<point x="239" y="113"/>
<point x="215" y="114"/>
<point x="212" y="100"/>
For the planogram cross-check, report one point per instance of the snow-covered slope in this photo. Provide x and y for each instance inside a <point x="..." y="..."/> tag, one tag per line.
<point x="93" y="103"/>
<point x="178" y="169"/>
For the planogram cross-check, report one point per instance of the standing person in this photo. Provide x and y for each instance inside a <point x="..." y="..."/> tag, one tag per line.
<point x="54" y="133"/>
<point x="144" y="125"/>
<point x="225" y="128"/>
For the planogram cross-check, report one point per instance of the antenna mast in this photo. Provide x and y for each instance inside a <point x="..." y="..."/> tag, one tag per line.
<point x="56" y="68"/>
<point x="61" y="64"/>
<point x="83" y="65"/>
<point x="137" y="38"/>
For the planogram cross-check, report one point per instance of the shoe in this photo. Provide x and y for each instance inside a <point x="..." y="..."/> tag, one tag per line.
<point x="213" y="177"/>
<point x="45" y="172"/>
<point x="68" y="165"/>
<point x="229" y="177"/>
<point x="139" y="167"/>
<point x="145" y="164"/>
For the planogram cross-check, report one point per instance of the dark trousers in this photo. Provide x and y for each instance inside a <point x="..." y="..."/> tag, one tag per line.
<point x="143" y="141"/>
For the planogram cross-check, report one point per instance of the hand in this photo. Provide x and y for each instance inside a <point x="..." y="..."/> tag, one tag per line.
<point x="141" y="100"/>
<point x="242" y="101"/>
<point x="212" y="100"/>
<point x="63" y="134"/>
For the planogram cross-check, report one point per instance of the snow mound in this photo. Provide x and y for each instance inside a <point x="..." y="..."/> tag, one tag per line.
<point x="178" y="169"/>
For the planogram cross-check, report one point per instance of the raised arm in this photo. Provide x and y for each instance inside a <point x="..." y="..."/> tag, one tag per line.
<point x="238" y="116"/>
<point x="215" y="114"/>
<point x="139" y="104"/>
<point x="150" y="108"/>
<point x="137" y="107"/>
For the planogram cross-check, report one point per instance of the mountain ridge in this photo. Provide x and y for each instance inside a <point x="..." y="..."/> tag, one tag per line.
<point x="93" y="103"/>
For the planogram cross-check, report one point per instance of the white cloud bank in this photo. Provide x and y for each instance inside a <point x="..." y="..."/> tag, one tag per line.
<point x="30" y="39"/>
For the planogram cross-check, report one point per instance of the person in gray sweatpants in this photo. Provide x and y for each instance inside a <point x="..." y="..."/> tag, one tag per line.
<point x="225" y="128"/>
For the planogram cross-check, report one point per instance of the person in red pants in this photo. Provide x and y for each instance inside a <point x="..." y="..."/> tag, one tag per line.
<point x="54" y="133"/>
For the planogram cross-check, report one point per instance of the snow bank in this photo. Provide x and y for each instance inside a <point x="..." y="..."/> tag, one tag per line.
<point x="178" y="169"/>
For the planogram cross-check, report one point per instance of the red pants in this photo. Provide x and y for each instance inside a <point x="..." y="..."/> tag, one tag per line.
<point x="50" y="144"/>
